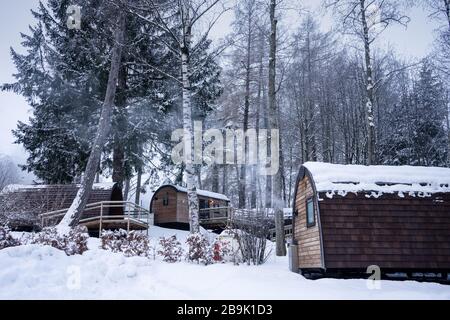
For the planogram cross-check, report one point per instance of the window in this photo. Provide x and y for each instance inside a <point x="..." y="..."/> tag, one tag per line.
<point x="310" y="216"/>
<point x="166" y="200"/>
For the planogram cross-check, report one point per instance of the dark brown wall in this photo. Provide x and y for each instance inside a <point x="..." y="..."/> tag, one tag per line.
<point x="391" y="232"/>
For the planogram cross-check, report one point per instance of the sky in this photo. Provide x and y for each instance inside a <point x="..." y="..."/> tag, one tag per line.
<point x="414" y="42"/>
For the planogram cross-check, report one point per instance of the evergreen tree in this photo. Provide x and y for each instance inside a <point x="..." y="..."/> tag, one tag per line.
<point x="429" y="135"/>
<point x="63" y="76"/>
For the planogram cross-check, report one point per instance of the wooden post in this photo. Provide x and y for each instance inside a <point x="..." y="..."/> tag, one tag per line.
<point x="128" y="223"/>
<point x="101" y="221"/>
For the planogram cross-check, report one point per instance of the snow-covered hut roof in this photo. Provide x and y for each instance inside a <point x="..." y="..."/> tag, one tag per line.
<point x="204" y="193"/>
<point x="343" y="179"/>
<point x="23" y="187"/>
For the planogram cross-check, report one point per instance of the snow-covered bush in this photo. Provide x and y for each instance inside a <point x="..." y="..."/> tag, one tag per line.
<point x="130" y="243"/>
<point x="199" y="249"/>
<point x="73" y="243"/>
<point x="170" y="249"/>
<point x="6" y="239"/>
<point x="251" y="233"/>
<point x="221" y="250"/>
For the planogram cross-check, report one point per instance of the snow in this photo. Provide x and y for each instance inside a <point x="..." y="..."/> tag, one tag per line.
<point x="18" y="187"/>
<point x="378" y="180"/>
<point x="37" y="272"/>
<point x="203" y="193"/>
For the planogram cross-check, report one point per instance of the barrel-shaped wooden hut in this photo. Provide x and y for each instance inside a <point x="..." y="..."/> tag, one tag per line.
<point x="350" y="217"/>
<point x="20" y="205"/>
<point x="169" y="205"/>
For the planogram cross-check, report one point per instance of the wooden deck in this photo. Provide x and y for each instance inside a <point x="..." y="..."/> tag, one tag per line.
<point x="215" y="217"/>
<point x="134" y="217"/>
<point x="113" y="223"/>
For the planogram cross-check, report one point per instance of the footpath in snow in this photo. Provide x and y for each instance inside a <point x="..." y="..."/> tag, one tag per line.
<point x="38" y="272"/>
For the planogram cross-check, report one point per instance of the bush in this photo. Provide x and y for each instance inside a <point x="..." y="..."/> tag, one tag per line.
<point x="251" y="233"/>
<point x="73" y="243"/>
<point x="6" y="239"/>
<point x="170" y="249"/>
<point x="221" y="249"/>
<point x="132" y="244"/>
<point x="199" y="249"/>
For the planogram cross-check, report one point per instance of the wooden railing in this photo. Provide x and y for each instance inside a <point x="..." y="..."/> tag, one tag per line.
<point x="131" y="213"/>
<point x="288" y="232"/>
<point x="215" y="215"/>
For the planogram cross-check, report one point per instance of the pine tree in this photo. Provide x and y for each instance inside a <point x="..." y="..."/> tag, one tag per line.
<point x="430" y="107"/>
<point x="63" y="75"/>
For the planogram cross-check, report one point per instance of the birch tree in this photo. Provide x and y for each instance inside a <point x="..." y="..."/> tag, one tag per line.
<point x="178" y="18"/>
<point x="75" y="211"/>
<point x="367" y="20"/>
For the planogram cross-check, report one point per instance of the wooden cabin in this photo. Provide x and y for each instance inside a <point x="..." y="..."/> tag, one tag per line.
<point x="348" y="217"/>
<point x="169" y="205"/>
<point x="21" y="205"/>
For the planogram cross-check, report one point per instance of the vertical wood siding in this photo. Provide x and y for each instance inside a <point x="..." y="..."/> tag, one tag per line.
<point x="308" y="239"/>
<point x="165" y="214"/>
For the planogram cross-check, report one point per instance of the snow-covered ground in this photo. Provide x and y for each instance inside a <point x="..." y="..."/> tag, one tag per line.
<point x="36" y="272"/>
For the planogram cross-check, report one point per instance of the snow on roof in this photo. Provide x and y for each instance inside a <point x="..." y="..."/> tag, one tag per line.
<point x="343" y="179"/>
<point x="202" y="193"/>
<point x="20" y="187"/>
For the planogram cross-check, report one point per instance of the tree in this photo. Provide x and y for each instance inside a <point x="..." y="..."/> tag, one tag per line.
<point x="273" y="123"/>
<point x="243" y="55"/>
<point x="441" y="10"/>
<point x="74" y="64"/>
<point x="430" y="109"/>
<point x="184" y="14"/>
<point x="8" y="172"/>
<point x="73" y="215"/>
<point x="367" y="20"/>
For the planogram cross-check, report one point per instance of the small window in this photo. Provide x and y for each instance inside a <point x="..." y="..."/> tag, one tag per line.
<point x="310" y="216"/>
<point x="166" y="200"/>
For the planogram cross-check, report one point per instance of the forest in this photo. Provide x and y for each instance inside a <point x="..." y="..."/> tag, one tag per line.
<point x="109" y="81"/>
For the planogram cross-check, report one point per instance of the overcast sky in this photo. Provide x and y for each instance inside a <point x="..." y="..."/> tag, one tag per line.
<point x="15" y="16"/>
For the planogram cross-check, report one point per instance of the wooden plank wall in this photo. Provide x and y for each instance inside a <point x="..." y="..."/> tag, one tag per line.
<point x="308" y="239"/>
<point x="390" y="231"/>
<point x="165" y="214"/>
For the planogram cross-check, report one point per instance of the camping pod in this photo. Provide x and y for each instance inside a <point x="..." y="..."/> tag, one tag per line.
<point x="349" y="217"/>
<point x="169" y="205"/>
<point x="21" y="205"/>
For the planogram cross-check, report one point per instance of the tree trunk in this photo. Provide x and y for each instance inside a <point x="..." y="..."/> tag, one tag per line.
<point x="243" y="172"/>
<point x="310" y="125"/>
<point x="447" y="11"/>
<point x="448" y="129"/>
<point x="75" y="211"/>
<point x="370" y="86"/>
<point x="274" y="125"/>
<point x="198" y="172"/>
<point x="126" y="189"/>
<point x="120" y="128"/>
<point x="224" y="178"/>
<point x="268" y="191"/>
<point x="215" y="178"/>
<point x="137" y="198"/>
<point x="187" y="125"/>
